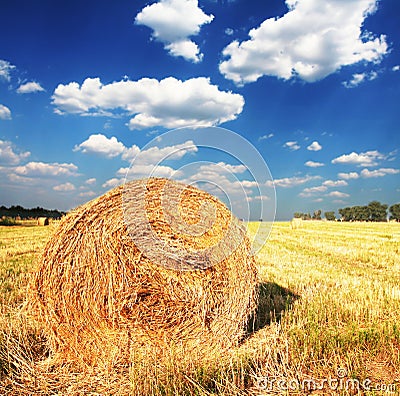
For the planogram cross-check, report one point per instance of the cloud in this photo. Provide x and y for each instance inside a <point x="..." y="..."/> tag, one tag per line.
<point x="170" y="103"/>
<point x="30" y="87"/>
<point x="229" y="31"/>
<point x="114" y="182"/>
<point x="5" y="70"/>
<point x="366" y="173"/>
<point x="287" y="182"/>
<point x="369" y="158"/>
<point x="311" y="41"/>
<point x="91" y="181"/>
<point x="173" y="22"/>
<point x="66" y="187"/>
<point x="185" y="48"/>
<point x="222" y="167"/>
<point x="100" y="144"/>
<point x="122" y="172"/>
<point x="292" y="146"/>
<point x="359" y="78"/>
<point x="87" y="194"/>
<point x="40" y="169"/>
<point x="338" y="194"/>
<point x="313" y="164"/>
<point x="396" y="68"/>
<point x="149" y="170"/>
<point x="317" y="189"/>
<point x="335" y="183"/>
<point x="309" y="192"/>
<point x="348" y="176"/>
<point x="130" y="153"/>
<point x="258" y="198"/>
<point x="5" y="113"/>
<point x="148" y="162"/>
<point x="223" y="184"/>
<point x="265" y="137"/>
<point x="154" y="155"/>
<point x="314" y="146"/>
<point x="8" y="154"/>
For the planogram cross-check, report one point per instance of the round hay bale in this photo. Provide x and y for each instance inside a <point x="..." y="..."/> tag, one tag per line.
<point x="42" y="221"/>
<point x="296" y="222"/>
<point x="153" y="262"/>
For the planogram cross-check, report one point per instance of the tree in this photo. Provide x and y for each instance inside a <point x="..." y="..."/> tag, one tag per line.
<point x="298" y="215"/>
<point x="377" y="211"/>
<point x="360" y="213"/>
<point x="395" y="211"/>
<point x="330" y="216"/>
<point x="317" y="214"/>
<point x="346" y="214"/>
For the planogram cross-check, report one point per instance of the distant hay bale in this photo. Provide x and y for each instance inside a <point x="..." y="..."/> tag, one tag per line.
<point x="102" y="299"/>
<point x="296" y="222"/>
<point x="42" y="221"/>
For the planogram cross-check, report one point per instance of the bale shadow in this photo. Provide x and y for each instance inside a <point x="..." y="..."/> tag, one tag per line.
<point x="274" y="301"/>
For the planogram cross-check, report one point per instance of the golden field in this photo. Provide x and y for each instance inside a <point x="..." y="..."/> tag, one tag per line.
<point x="328" y="323"/>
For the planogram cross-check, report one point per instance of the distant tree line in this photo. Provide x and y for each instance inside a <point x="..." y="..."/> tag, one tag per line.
<point x="23" y="213"/>
<point x="374" y="211"/>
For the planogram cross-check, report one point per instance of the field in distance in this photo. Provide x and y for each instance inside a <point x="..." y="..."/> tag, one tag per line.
<point x="329" y="310"/>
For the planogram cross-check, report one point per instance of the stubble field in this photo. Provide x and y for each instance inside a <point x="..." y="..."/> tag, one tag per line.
<point x="328" y="322"/>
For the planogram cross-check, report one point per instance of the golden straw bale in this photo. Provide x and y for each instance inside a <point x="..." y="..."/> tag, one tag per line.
<point x="153" y="262"/>
<point x="296" y="222"/>
<point x="42" y="221"/>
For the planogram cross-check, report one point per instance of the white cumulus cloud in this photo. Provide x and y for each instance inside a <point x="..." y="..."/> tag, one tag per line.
<point x="91" y="181"/>
<point x="222" y="167"/>
<point x="311" y="41"/>
<point x="149" y="170"/>
<point x="293" y="181"/>
<point x="314" y="146"/>
<point x="154" y="155"/>
<point x="40" y="169"/>
<point x="348" y="176"/>
<point x="5" y="113"/>
<point x="369" y="158"/>
<point x="317" y="189"/>
<point x="313" y="164"/>
<point x="359" y="78"/>
<point x="30" y="87"/>
<point x="87" y="194"/>
<point x="173" y="22"/>
<point x="9" y="155"/>
<point x="65" y="187"/>
<point x="170" y="103"/>
<point x="366" y="173"/>
<point x="338" y="194"/>
<point x="100" y="144"/>
<point x="5" y="70"/>
<point x="114" y="182"/>
<point x="335" y="183"/>
<point x="292" y="146"/>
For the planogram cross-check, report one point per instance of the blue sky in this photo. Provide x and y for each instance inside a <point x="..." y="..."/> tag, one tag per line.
<point x="313" y="86"/>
